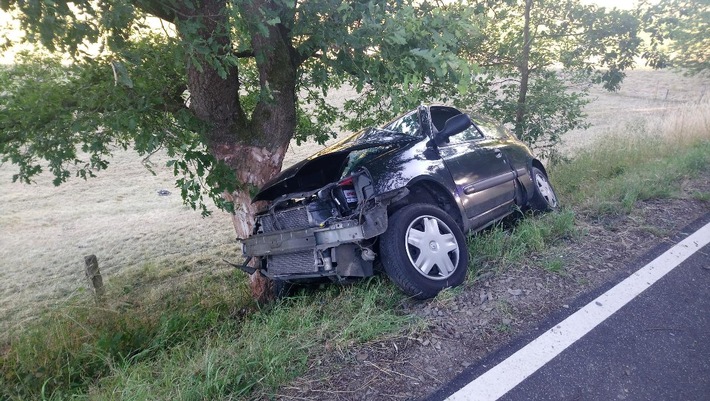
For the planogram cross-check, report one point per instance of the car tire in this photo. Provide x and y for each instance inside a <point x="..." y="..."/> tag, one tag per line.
<point x="544" y="198"/>
<point x="423" y="251"/>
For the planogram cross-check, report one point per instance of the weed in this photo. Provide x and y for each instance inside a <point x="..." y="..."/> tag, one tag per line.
<point x="447" y="296"/>
<point x="500" y="247"/>
<point x="504" y="309"/>
<point x="701" y="196"/>
<point x="655" y="231"/>
<point x="189" y="344"/>
<point x="554" y="265"/>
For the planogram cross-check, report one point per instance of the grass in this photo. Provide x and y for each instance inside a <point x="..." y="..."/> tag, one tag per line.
<point x="554" y="265"/>
<point x="177" y="327"/>
<point x="503" y="246"/>
<point x="701" y="196"/>
<point x="77" y="343"/>
<point x="271" y="347"/>
<point x="206" y="340"/>
<point x="643" y="162"/>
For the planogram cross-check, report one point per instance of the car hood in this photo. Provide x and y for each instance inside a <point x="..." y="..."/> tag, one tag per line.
<point x="326" y="165"/>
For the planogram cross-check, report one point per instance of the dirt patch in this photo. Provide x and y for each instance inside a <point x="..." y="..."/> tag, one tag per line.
<point x="466" y="325"/>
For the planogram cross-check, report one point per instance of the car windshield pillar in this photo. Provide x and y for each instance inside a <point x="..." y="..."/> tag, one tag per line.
<point x="425" y="121"/>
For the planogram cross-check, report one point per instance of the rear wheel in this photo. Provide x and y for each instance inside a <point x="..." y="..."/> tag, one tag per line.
<point x="544" y="198"/>
<point x="423" y="251"/>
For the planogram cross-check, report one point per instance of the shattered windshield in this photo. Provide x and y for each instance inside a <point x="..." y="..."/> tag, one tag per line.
<point x="408" y="124"/>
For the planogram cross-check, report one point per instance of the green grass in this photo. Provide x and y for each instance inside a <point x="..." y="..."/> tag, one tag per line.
<point x="701" y="196"/>
<point x="77" y="343"/>
<point x="272" y="346"/>
<point x="164" y="337"/>
<point x="205" y="340"/>
<point x="554" y="265"/>
<point x="500" y="247"/>
<point x="620" y="171"/>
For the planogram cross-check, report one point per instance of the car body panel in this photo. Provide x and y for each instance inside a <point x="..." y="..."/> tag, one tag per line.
<point x="482" y="176"/>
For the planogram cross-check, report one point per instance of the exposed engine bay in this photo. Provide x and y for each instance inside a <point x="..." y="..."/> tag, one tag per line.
<point x="327" y="232"/>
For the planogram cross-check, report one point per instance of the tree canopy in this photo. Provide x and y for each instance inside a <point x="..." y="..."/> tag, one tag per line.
<point x="224" y="86"/>
<point x="138" y="92"/>
<point x="678" y="31"/>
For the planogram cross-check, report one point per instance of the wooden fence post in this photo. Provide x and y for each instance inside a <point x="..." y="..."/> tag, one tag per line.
<point x="94" y="276"/>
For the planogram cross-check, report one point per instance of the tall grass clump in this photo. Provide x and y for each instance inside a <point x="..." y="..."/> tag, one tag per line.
<point x="272" y="347"/>
<point x="499" y="246"/>
<point x="76" y="343"/>
<point x="649" y="158"/>
<point x="204" y="340"/>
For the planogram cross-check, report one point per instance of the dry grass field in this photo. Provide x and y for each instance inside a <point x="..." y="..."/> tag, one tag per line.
<point x="45" y="231"/>
<point x="647" y="99"/>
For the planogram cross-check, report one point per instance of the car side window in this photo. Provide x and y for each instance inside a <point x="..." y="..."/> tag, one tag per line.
<point x="470" y="134"/>
<point x="490" y="129"/>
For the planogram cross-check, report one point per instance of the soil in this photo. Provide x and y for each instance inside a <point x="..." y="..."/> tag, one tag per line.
<point x="466" y="325"/>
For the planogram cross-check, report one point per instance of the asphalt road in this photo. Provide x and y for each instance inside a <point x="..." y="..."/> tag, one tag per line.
<point x="654" y="345"/>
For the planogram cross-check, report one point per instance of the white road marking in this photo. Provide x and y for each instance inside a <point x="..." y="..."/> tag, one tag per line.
<point x="505" y="376"/>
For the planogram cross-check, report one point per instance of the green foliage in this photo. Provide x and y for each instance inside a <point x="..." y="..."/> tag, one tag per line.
<point x="679" y="33"/>
<point x="572" y="46"/>
<point x="150" y="88"/>
<point x="135" y="92"/>
<point x="70" y="117"/>
<point x="420" y="57"/>
<point x="552" y="109"/>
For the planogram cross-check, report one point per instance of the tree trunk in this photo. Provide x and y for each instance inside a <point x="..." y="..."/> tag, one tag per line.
<point x="254" y="146"/>
<point x="524" y="69"/>
<point x="273" y="121"/>
<point x="254" y="166"/>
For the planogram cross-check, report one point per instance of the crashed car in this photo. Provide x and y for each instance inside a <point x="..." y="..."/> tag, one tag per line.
<point x="403" y="194"/>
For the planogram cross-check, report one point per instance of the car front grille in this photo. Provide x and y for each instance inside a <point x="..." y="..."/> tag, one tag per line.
<point x="285" y="220"/>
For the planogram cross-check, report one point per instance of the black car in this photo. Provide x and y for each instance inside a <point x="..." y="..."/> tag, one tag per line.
<point x="404" y="193"/>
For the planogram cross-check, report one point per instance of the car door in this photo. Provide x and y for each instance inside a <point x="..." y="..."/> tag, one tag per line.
<point x="484" y="180"/>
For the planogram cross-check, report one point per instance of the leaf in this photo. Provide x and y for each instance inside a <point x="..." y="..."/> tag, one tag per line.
<point x="120" y="75"/>
<point x="423" y="53"/>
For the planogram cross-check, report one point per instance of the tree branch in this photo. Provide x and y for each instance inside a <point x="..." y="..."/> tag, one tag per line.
<point x="165" y="10"/>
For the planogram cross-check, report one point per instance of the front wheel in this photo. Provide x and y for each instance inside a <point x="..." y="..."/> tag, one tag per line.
<point x="423" y="251"/>
<point x="543" y="198"/>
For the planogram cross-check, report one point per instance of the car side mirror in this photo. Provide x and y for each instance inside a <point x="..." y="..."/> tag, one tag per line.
<point x="454" y="125"/>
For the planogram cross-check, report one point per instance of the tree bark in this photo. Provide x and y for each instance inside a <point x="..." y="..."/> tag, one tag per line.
<point x="254" y="166"/>
<point x="273" y="121"/>
<point x="524" y="69"/>
<point x="253" y="146"/>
